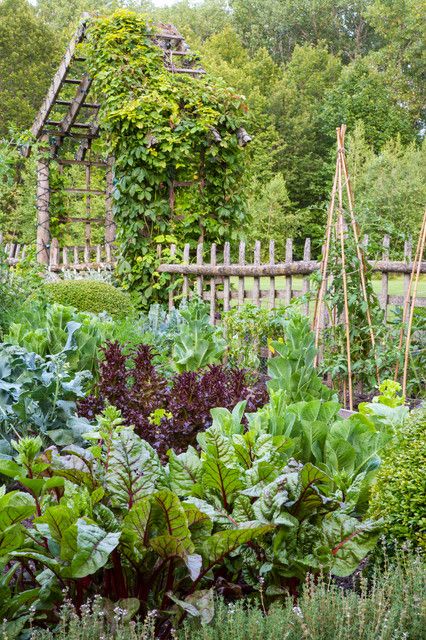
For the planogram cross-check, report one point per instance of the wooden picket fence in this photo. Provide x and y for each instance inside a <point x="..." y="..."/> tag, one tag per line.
<point x="224" y="283"/>
<point x="209" y="273"/>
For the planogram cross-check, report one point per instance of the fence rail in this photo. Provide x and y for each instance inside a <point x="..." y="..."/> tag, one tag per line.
<point x="209" y="273"/>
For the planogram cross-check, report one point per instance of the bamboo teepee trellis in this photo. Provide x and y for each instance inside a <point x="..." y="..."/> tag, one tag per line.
<point x="336" y="219"/>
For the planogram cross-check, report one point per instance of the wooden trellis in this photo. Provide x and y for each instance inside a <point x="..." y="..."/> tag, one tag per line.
<point x="67" y="124"/>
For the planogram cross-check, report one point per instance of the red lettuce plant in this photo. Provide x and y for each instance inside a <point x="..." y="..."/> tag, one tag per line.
<point x="168" y="413"/>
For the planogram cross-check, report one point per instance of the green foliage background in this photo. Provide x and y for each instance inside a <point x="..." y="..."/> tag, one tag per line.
<point x="303" y="68"/>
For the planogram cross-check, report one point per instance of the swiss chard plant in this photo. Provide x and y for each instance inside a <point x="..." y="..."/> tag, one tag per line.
<point x="108" y="520"/>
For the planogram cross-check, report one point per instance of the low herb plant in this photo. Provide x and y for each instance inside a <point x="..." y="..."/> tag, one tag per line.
<point x="386" y="607"/>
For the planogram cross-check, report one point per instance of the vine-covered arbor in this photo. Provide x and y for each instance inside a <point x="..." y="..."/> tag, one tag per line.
<point x="67" y="131"/>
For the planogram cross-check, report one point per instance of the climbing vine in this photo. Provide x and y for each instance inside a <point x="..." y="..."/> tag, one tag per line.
<point x="178" y="162"/>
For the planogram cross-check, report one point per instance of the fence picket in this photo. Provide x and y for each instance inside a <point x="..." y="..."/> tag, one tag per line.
<point x="256" y="280"/>
<point x="185" y="287"/>
<point x="213" y="286"/>
<point x="288" y="279"/>
<point x="226" y="281"/>
<point x="241" y="280"/>
<point x="171" y="292"/>
<point x="199" y="263"/>
<point x="306" y="283"/>
<point x="385" y="277"/>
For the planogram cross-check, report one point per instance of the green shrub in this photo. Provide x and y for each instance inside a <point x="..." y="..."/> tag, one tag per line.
<point x="91" y="295"/>
<point x="399" y="492"/>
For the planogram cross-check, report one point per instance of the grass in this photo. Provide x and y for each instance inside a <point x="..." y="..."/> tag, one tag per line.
<point x="389" y="605"/>
<point x="396" y="284"/>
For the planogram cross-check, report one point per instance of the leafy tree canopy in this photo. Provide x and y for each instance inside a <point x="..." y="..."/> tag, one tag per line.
<point x="29" y="54"/>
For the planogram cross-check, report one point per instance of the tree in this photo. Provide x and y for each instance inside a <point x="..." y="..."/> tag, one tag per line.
<point x="29" y="54"/>
<point x="63" y="16"/>
<point x="389" y="187"/>
<point x="274" y="217"/>
<point x="281" y="25"/>
<point x="256" y="77"/>
<point x="201" y="19"/>
<point x="305" y="160"/>
<point x="401" y="25"/>
<point x="363" y="94"/>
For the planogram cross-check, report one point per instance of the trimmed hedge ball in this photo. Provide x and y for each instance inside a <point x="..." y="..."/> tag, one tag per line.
<point x="91" y="295"/>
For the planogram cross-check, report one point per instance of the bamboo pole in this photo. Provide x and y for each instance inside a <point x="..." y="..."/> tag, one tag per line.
<point x="319" y="301"/>
<point x="410" y="321"/>
<point x="345" y="285"/>
<point x="341" y="150"/>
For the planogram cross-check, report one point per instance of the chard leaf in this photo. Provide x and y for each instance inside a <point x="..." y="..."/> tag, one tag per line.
<point x="15" y="506"/>
<point x="173" y="517"/>
<point x="199" y="523"/>
<point x="168" y="547"/>
<point x="89" y="547"/>
<point x="224" y="479"/>
<point x="220" y="544"/>
<point x="184" y="470"/>
<point x="198" y="605"/>
<point x="136" y="523"/>
<point x="313" y="484"/>
<point x="132" y="469"/>
<point x="349" y="540"/>
<point x="58" y="518"/>
<point x="11" y="538"/>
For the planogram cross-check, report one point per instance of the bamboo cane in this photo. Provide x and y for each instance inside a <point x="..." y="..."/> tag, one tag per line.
<point x="319" y="302"/>
<point x="340" y="141"/>
<point x="408" y="295"/>
<point x="345" y="284"/>
<point x="410" y="321"/>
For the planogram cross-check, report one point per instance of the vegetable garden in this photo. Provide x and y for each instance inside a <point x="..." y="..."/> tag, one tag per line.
<point x="171" y="468"/>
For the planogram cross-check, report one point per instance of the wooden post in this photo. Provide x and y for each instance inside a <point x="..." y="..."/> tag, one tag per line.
<point x="88" y="226"/>
<point x="110" y="228"/>
<point x="43" y="218"/>
<point x="54" y="254"/>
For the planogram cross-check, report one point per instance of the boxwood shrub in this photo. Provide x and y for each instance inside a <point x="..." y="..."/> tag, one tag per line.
<point x="91" y="295"/>
<point x="398" y="495"/>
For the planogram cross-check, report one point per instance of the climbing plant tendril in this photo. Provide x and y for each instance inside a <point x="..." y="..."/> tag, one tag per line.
<point x="164" y="130"/>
